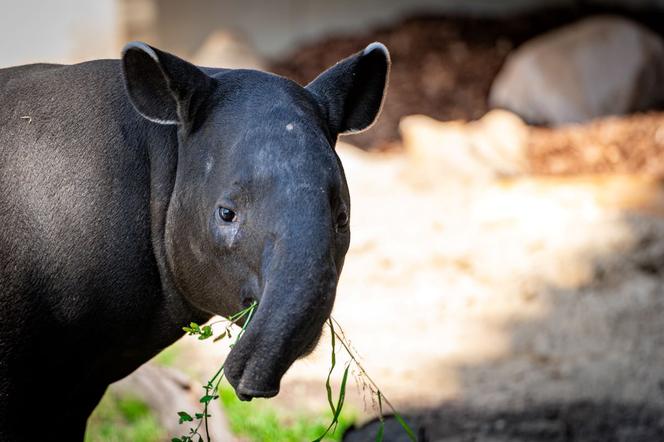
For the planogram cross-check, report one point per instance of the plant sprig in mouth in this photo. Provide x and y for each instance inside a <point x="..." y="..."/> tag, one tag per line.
<point x="212" y="386"/>
<point x="337" y="334"/>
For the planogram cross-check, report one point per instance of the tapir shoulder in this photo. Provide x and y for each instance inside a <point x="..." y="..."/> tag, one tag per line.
<point x="37" y="82"/>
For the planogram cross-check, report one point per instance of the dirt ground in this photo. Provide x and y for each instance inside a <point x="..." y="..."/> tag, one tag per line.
<point x="533" y="302"/>
<point x="527" y="309"/>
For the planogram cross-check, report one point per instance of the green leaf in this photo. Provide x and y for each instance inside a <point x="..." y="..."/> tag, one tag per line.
<point x="206" y="332"/>
<point x="342" y="396"/>
<point x="176" y="439"/>
<point x="207" y="398"/>
<point x="405" y="427"/>
<point x="381" y="430"/>
<point x="185" y="417"/>
<point x="328" y="386"/>
<point x="339" y="406"/>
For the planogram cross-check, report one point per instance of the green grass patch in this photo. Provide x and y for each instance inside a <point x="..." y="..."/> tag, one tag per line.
<point x="168" y="356"/>
<point x="120" y="419"/>
<point x="260" y="421"/>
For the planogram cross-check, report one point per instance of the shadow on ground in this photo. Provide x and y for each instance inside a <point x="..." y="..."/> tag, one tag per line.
<point x="589" y="367"/>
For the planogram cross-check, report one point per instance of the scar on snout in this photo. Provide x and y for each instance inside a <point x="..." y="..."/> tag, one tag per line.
<point x="289" y="127"/>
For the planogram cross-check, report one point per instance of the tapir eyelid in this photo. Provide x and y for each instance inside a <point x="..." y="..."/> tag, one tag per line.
<point x="342" y="220"/>
<point x="225" y="215"/>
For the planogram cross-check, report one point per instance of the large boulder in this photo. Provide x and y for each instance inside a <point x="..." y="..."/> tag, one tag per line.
<point x="603" y="65"/>
<point x="491" y="147"/>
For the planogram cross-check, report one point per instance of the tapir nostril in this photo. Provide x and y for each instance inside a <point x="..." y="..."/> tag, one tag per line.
<point x="247" y="301"/>
<point x="248" y="294"/>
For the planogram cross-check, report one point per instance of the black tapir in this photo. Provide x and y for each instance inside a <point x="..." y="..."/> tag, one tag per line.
<point x="138" y="195"/>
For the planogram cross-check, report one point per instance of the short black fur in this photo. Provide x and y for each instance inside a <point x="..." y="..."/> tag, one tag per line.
<point x="109" y="243"/>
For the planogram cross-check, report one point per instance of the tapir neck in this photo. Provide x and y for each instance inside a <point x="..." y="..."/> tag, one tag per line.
<point x="162" y="145"/>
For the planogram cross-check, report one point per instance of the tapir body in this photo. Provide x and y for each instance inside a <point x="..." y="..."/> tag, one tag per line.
<point x="141" y="194"/>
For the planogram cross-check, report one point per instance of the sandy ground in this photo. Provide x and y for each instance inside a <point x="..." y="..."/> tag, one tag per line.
<point x="495" y="302"/>
<point x="505" y="294"/>
<point x="497" y="296"/>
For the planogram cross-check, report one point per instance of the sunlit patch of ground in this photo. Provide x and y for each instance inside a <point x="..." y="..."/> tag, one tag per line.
<point x="492" y="296"/>
<point x="530" y="290"/>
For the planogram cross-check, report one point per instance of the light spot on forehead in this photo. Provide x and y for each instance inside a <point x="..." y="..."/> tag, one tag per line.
<point x="291" y="150"/>
<point x="208" y="164"/>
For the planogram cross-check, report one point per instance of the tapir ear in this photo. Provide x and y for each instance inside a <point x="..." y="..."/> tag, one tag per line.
<point x="162" y="87"/>
<point x="352" y="91"/>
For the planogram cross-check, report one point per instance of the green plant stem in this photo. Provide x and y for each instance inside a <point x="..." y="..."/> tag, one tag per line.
<point x="382" y="398"/>
<point x="213" y="383"/>
<point x="249" y="312"/>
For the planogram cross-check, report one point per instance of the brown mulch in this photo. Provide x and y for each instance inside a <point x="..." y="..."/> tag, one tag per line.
<point x="629" y="144"/>
<point x="443" y="67"/>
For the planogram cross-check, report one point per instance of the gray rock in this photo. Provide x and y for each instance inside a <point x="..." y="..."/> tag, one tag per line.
<point x="393" y="432"/>
<point x="603" y="65"/>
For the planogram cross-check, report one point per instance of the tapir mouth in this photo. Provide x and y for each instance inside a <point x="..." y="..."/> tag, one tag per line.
<point x="258" y="361"/>
<point x="252" y="375"/>
<point x="245" y="393"/>
<point x="258" y="374"/>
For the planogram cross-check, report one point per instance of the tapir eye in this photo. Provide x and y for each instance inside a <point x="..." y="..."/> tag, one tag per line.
<point x="342" y="219"/>
<point x="225" y="214"/>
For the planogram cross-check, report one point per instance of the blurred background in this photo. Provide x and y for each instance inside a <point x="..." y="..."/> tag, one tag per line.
<point x="505" y="280"/>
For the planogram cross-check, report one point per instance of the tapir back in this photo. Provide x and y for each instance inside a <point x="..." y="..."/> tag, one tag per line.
<point x="76" y="258"/>
<point x="74" y="178"/>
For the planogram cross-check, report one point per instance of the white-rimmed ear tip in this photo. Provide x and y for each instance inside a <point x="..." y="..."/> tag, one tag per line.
<point x="140" y="46"/>
<point x="376" y="46"/>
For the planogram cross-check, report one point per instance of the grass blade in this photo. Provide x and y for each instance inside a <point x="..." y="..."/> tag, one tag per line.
<point x="381" y="430"/>
<point x="376" y="390"/>
<point x="339" y="406"/>
<point x="328" y="386"/>
<point x="405" y="426"/>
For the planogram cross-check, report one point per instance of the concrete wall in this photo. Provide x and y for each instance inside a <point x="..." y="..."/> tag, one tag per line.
<point x="57" y="31"/>
<point x="274" y="27"/>
<point x="73" y="30"/>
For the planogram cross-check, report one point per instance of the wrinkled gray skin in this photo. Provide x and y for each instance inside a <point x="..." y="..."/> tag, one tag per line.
<point x="115" y="179"/>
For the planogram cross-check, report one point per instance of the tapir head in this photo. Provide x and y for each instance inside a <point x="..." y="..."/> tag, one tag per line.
<point x="260" y="206"/>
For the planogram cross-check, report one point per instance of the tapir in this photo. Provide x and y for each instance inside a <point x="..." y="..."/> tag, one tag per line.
<point x="141" y="194"/>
